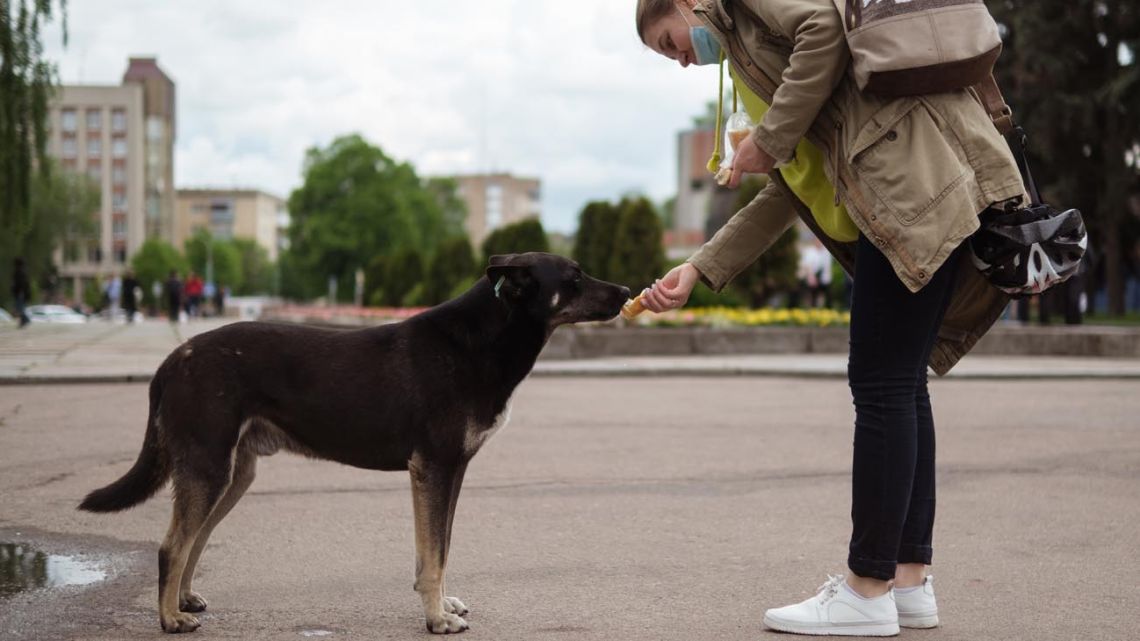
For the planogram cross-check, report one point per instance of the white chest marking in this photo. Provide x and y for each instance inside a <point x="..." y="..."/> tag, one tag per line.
<point x="477" y="436"/>
<point x="554" y="301"/>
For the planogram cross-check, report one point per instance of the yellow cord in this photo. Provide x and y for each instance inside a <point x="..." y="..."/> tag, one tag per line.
<point x="714" y="161"/>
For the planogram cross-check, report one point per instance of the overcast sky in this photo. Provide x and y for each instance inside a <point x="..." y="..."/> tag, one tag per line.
<point x="561" y="90"/>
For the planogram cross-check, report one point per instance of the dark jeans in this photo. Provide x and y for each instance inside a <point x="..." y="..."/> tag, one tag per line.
<point x="892" y="334"/>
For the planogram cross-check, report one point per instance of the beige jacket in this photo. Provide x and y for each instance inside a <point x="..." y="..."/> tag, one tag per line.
<point x="913" y="172"/>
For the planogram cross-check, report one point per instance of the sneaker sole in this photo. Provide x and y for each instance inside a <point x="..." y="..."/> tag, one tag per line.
<point x="868" y="630"/>
<point x="918" y="621"/>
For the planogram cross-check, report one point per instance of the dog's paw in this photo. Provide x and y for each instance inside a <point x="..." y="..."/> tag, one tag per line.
<point x="191" y="602"/>
<point x="180" y="622"/>
<point x="447" y="623"/>
<point x="452" y="605"/>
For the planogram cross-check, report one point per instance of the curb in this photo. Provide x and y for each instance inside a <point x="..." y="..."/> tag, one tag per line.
<point x="578" y="369"/>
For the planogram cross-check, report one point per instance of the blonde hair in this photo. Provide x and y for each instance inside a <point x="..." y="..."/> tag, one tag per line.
<point x="650" y="11"/>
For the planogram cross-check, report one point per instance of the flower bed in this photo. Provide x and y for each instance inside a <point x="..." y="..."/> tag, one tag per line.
<point x="739" y="317"/>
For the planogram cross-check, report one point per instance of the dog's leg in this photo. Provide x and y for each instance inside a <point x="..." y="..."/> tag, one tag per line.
<point x="196" y="492"/>
<point x="452" y="604"/>
<point x="431" y="497"/>
<point x="245" y="468"/>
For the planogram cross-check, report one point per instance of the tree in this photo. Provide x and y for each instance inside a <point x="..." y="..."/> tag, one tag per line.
<point x="1070" y="71"/>
<point x="27" y="83"/>
<point x="452" y="208"/>
<point x="523" y="236"/>
<point x="775" y="270"/>
<point x="255" y="267"/>
<point x="590" y="250"/>
<point x="594" y="242"/>
<point x="637" y="257"/>
<point x="152" y="263"/>
<point x="453" y="265"/>
<point x="357" y="203"/>
<point x="403" y="272"/>
<point x="62" y="207"/>
<point x="202" y="249"/>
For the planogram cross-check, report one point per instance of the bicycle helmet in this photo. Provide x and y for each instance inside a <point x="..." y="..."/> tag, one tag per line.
<point x="1026" y="251"/>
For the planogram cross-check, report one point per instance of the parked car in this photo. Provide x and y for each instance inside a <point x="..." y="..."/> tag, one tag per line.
<point x="54" y="314"/>
<point x="5" y="317"/>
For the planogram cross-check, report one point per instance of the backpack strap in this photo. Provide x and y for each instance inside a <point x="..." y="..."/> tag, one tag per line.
<point x="994" y="102"/>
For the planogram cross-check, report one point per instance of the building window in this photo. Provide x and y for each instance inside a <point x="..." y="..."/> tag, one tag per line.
<point x="118" y="121"/>
<point x="119" y="148"/>
<point x="222" y="218"/>
<point x="69" y="148"/>
<point x="94" y="120"/>
<point x="95" y="171"/>
<point x="94" y="148"/>
<point x="119" y="226"/>
<point x="94" y="253"/>
<point x="119" y="201"/>
<point x="67" y="120"/>
<point x="119" y="175"/>
<point x="70" y="252"/>
<point x="121" y="255"/>
<point x="154" y="128"/>
<point x="494" y="203"/>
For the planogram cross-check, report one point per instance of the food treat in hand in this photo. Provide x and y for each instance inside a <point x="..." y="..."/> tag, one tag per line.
<point x="723" y="175"/>
<point x="632" y="308"/>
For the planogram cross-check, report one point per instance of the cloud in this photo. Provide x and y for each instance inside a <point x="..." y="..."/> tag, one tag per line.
<point x="559" y="90"/>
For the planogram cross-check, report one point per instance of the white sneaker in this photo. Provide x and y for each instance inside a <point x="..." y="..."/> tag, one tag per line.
<point x="917" y="607"/>
<point x="836" y="610"/>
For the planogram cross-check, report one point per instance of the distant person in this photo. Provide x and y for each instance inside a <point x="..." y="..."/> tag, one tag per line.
<point x="220" y="299"/>
<point x="21" y="290"/>
<point x="208" y="291"/>
<point x="131" y="292"/>
<point x="193" y="294"/>
<point x="113" y="294"/>
<point x="173" y="293"/>
<point x="155" y="297"/>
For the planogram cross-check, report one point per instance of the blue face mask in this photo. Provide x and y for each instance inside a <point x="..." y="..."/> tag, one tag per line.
<point x="705" y="46"/>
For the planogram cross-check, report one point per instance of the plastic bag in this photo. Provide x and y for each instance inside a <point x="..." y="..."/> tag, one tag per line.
<point x="737" y="129"/>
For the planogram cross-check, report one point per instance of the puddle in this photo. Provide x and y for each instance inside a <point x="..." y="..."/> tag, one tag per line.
<point x="23" y="568"/>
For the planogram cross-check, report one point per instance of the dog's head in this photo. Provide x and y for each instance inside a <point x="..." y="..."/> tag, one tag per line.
<point x="553" y="289"/>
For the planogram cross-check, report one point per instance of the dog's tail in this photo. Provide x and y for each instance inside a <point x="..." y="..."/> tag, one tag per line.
<point x="149" y="473"/>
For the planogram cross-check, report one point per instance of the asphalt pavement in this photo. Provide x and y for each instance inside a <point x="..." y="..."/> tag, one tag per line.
<point x="609" y="509"/>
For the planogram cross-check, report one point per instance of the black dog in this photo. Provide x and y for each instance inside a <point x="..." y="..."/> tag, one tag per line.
<point x="422" y="395"/>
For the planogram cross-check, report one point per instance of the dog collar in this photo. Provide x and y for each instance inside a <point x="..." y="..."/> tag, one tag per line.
<point x="499" y="284"/>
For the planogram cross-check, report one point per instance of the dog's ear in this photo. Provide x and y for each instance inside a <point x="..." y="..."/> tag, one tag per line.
<point x="509" y="280"/>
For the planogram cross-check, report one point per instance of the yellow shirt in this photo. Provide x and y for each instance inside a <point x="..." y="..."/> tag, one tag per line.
<point x="804" y="175"/>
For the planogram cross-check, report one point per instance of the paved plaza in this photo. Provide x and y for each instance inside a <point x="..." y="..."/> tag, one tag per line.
<point x="611" y="508"/>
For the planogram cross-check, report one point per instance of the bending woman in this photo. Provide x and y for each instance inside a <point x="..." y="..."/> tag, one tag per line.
<point x="892" y="187"/>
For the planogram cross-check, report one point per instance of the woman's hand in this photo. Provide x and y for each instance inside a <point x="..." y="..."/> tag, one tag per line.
<point x="671" y="291"/>
<point x="749" y="159"/>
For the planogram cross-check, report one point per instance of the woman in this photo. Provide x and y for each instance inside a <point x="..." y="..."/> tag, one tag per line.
<point x="892" y="187"/>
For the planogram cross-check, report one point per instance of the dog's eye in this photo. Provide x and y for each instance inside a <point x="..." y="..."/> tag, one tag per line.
<point x="577" y="279"/>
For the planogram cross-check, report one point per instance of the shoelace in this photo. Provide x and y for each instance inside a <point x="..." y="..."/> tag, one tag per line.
<point x="830" y="588"/>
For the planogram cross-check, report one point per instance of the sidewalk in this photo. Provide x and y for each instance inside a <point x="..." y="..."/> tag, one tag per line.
<point x="105" y="352"/>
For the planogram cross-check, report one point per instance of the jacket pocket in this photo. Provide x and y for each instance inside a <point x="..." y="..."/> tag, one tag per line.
<point x="906" y="159"/>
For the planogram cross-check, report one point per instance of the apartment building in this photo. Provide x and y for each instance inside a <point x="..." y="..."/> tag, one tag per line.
<point x="495" y="200"/>
<point x="122" y="137"/>
<point x="232" y="213"/>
